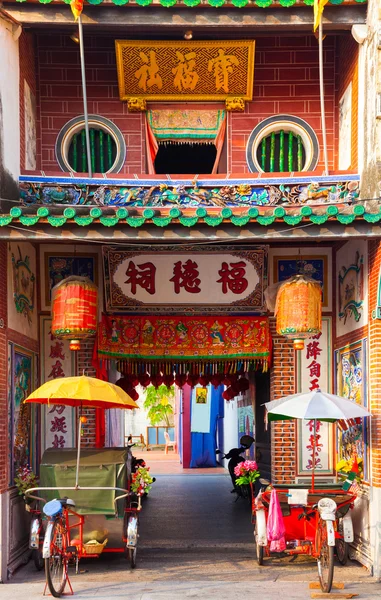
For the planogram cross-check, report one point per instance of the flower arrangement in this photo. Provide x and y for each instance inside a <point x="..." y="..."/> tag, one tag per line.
<point x="141" y="481"/>
<point x="25" y="479"/>
<point x="246" y="472"/>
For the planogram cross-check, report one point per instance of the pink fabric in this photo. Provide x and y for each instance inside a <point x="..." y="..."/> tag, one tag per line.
<point x="275" y="525"/>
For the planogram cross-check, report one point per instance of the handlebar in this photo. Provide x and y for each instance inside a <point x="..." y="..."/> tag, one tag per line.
<point x="116" y="489"/>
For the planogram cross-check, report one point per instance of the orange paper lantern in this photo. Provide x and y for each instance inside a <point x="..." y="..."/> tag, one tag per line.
<point x="74" y="310"/>
<point x="299" y="309"/>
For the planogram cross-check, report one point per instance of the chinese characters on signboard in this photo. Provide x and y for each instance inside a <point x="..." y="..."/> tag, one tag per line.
<point x="189" y="70"/>
<point x="314" y="375"/>
<point x="58" y="419"/>
<point x="173" y="281"/>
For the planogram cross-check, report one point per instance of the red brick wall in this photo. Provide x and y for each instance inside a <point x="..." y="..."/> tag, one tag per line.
<point x="61" y="94"/>
<point x="28" y="73"/>
<point x="283" y="433"/>
<point x="84" y="366"/>
<point x="3" y="371"/>
<point x="374" y="381"/>
<point x="286" y="81"/>
<point x="347" y="50"/>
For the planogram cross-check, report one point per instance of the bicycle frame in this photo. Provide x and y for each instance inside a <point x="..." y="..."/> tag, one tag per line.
<point x="302" y="524"/>
<point x="68" y="514"/>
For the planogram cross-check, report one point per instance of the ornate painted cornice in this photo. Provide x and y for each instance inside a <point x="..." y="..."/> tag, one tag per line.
<point x="138" y="203"/>
<point x="183" y="193"/>
<point x="212" y="3"/>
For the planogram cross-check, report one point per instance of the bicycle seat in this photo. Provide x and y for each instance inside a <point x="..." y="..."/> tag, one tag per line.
<point x="52" y="508"/>
<point x="67" y="502"/>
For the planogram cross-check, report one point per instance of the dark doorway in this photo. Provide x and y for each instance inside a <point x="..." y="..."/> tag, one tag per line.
<point x="185" y="158"/>
<point x="262" y="436"/>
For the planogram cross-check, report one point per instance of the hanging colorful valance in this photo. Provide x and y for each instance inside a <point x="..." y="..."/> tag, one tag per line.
<point x="193" y="126"/>
<point x="222" y="344"/>
<point x="184" y="126"/>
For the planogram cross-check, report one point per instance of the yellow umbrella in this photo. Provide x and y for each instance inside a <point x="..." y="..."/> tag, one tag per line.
<point x="82" y="391"/>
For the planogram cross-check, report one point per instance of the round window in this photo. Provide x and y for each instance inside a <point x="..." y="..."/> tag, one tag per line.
<point x="107" y="146"/>
<point x="282" y="143"/>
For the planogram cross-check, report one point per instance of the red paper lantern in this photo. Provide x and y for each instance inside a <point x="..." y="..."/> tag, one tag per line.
<point x="74" y="310"/>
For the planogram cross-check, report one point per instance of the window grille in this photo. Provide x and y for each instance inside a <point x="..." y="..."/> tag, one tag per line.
<point x="102" y="149"/>
<point x="281" y="151"/>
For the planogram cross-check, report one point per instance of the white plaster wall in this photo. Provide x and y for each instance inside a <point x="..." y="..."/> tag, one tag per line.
<point x="25" y="323"/>
<point x="230" y="423"/>
<point x="375" y="530"/>
<point x="9" y="95"/>
<point x="136" y="421"/>
<point x="370" y="85"/>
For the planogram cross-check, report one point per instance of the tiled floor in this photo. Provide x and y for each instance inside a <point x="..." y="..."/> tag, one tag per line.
<point x="169" y="464"/>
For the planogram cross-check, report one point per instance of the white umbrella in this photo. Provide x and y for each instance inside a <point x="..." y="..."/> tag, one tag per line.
<point x="317" y="406"/>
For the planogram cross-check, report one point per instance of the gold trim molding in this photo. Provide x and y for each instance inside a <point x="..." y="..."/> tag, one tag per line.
<point x="185" y="71"/>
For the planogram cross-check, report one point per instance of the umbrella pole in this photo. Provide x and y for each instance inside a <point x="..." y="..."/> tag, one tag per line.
<point x="313" y="457"/>
<point x="78" y="450"/>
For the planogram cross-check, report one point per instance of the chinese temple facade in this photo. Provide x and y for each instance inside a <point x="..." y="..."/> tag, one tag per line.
<point x="188" y="157"/>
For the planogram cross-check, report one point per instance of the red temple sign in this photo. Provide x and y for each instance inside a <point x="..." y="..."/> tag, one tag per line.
<point x="206" y="279"/>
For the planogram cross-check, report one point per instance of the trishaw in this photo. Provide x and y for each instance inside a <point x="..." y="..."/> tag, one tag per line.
<point x="315" y="519"/>
<point x="86" y="498"/>
<point x="84" y="522"/>
<point x="310" y="518"/>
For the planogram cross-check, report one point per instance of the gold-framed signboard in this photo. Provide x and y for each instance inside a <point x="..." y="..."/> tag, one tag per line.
<point x="180" y="71"/>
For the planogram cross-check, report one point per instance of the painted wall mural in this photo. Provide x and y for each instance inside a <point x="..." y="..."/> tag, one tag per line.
<point x="30" y="128"/>
<point x="22" y="311"/>
<point x="56" y="361"/>
<point x="350" y="382"/>
<point x="351" y="305"/>
<point x="21" y="425"/>
<point x="314" y="373"/>
<point x="345" y="129"/>
<point x="312" y="262"/>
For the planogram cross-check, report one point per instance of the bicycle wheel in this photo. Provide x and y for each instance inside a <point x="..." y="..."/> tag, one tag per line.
<point x="325" y="559"/>
<point x="259" y="549"/>
<point x="132" y="535"/>
<point x="38" y="560"/>
<point x="132" y="557"/>
<point x="56" y="564"/>
<point x="342" y="548"/>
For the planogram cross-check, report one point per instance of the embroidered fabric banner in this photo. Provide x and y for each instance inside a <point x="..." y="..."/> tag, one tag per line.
<point x="185" y="125"/>
<point x="244" y="343"/>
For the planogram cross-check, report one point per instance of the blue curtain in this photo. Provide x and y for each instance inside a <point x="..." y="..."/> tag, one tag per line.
<point x="203" y="452"/>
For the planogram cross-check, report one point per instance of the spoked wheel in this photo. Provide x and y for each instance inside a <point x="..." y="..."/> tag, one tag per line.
<point x="342" y="548"/>
<point x="37" y="559"/>
<point x="132" y="557"/>
<point x="260" y="549"/>
<point x="56" y="565"/>
<point x="132" y="535"/>
<point x="325" y="560"/>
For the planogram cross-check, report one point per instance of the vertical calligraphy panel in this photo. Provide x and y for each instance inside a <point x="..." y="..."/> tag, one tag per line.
<point x="314" y="371"/>
<point x="58" y="423"/>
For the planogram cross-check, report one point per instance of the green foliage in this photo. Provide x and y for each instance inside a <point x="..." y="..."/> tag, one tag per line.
<point x="159" y="403"/>
<point x="25" y="479"/>
<point x="141" y="481"/>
